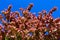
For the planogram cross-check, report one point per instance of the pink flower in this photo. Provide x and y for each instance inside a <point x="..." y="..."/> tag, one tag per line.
<point x="32" y="29"/>
<point x="0" y="37"/>
<point x="1" y="16"/>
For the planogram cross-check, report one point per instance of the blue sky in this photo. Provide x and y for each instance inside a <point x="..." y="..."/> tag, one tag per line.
<point x="39" y="5"/>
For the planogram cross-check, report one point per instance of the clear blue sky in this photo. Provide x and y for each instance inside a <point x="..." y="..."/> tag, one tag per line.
<point x="39" y="5"/>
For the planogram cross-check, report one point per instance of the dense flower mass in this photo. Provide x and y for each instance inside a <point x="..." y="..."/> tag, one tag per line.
<point x="29" y="27"/>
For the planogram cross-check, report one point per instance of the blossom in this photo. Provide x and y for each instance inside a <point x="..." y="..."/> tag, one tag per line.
<point x="29" y="26"/>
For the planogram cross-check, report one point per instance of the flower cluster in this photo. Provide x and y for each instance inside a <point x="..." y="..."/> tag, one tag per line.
<point x="29" y="26"/>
